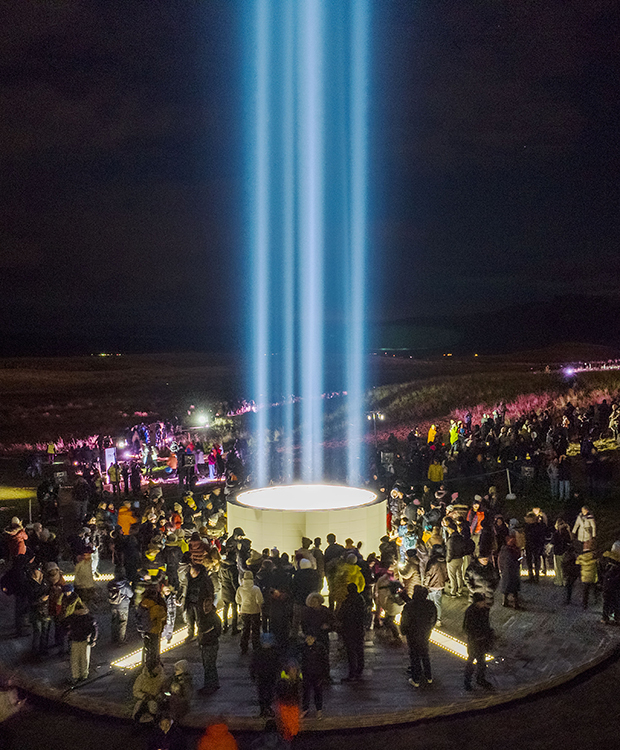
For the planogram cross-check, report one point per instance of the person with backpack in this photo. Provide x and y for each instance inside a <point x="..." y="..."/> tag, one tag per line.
<point x="150" y="620"/>
<point x="120" y="595"/>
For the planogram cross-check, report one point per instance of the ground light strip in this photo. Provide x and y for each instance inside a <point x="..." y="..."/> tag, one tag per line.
<point x="548" y="574"/>
<point x="70" y="577"/>
<point x="134" y="659"/>
<point x="438" y="638"/>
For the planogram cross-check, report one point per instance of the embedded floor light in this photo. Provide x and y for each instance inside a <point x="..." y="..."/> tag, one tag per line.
<point x="134" y="659"/>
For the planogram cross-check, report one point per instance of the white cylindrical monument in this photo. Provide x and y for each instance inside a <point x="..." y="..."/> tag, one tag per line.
<point x="280" y="516"/>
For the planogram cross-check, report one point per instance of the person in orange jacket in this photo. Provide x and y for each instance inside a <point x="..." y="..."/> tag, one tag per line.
<point x="217" y="737"/>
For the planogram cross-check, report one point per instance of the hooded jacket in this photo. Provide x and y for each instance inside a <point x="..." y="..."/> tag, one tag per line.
<point x="585" y="527"/>
<point x="418" y="618"/>
<point x="217" y="737"/>
<point x="481" y="579"/>
<point x="249" y="597"/>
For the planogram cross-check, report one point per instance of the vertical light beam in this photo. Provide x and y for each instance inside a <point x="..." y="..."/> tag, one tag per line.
<point x="311" y="237"/>
<point x="261" y="234"/>
<point x="358" y="124"/>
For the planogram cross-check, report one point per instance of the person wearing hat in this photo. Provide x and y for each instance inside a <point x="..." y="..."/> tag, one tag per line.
<point x="181" y="689"/>
<point x="475" y="516"/>
<point x="249" y="598"/>
<point x="55" y="582"/>
<point x="82" y="631"/>
<point x="120" y="595"/>
<point x="479" y="636"/>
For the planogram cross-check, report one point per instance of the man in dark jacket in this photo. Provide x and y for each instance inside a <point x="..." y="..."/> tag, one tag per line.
<point x="209" y="631"/>
<point x="417" y="620"/>
<point x="481" y="578"/>
<point x="535" y="534"/>
<point x="305" y="581"/>
<point x="196" y="586"/>
<point x="314" y="666"/>
<point x="435" y="577"/>
<point x="351" y="619"/>
<point x="479" y="638"/>
<point x="265" y="670"/>
<point x="229" y="580"/>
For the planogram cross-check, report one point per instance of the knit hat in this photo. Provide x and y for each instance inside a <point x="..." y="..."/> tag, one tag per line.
<point x="352" y="559"/>
<point x="248" y="575"/>
<point x="51" y="566"/>
<point x="477" y="499"/>
<point x="181" y="666"/>
<point x="171" y="538"/>
<point x="305" y="564"/>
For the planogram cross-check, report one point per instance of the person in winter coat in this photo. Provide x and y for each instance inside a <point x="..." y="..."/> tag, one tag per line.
<point x="209" y="632"/>
<point x="475" y="517"/>
<point x="351" y="625"/>
<point x="317" y="620"/>
<point x="589" y="571"/>
<point x="170" y="602"/>
<point x="120" y="595"/>
<point x="126" y="517"/>
<point x="84" y="582"/>
<point x="486" y="541"/>
<point x="455" y="552"/>
<point x="15" y="538"/>
<point x="229" y="582"/>
<point x="264" y="671"/>
<point x="570" y="571"/>
<point x="560" y="539"/>
<point x="197" y="549"/>
<point x="314" y="666"/>
<point x="479" y="636"/>
<point x="611" y="585"/>
<point x="409" y="572"/>
<point x="585" y="527"/>
<point x="535" y="535"/>
<point x="40" y="619"/>
<point x="181" y="689"/>
<point x="151" y="617"/>
<point x="417" y="621"/>
<point x="217" y="737"/>
<point x="435" y="578"/>
<point x="249" y="599"/>
<point x="510" y="572"/>
<point x="481" y="578"/>
<point x="305" y="581"/>
<point x="288" y="694"/>
<point x="171" y="557"/>
<point x="167" y="736"/>
<point x="148" y="690"/>
<point x="196" y="587"/>
<point x="390" y="602"/>
<point x="82" y="630"/>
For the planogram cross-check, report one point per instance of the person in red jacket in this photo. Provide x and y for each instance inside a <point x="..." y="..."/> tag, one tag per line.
<point x="15" y="538"/>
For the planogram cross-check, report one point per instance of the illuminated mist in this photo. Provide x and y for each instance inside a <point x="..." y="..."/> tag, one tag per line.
<point x="307" y="90"/>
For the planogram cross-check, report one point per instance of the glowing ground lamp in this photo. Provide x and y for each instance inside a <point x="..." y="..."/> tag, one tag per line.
<point x="281" y="515"/>
<point x="134" y="659"/>
<point x="70" y="577"/>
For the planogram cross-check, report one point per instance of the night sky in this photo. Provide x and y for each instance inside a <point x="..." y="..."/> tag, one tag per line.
<point x="495" y="165"/>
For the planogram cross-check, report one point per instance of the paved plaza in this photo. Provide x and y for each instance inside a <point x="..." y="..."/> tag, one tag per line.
<point x="540" y="647"/>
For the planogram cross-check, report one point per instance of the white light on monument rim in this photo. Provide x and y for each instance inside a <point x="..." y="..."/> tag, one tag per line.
<point x="306" y="497"/>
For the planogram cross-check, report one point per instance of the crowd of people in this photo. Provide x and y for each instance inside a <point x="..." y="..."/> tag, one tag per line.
<point x="175" y="563"/>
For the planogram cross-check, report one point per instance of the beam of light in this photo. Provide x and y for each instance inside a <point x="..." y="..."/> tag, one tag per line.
<point x="358" y="119"/>
<point x="288" y="271"/>
<point x="310" y="155"/>
<point x="261" y="253"/>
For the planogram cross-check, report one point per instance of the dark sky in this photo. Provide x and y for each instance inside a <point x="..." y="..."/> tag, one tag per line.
<point x="495" y="164"/>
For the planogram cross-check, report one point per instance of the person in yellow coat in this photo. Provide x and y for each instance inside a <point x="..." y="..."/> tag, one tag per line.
<point x="589" y="570"/>
<point x="432" y="434"/>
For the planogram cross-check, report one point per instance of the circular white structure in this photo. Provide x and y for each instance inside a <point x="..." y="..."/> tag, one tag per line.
<point x="280" y="516"/>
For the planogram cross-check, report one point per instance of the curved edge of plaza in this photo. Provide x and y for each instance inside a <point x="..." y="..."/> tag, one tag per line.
<point x="536" y="650"/>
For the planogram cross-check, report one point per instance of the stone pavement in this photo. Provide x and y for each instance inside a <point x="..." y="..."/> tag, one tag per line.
<point x="536" y="649"/>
